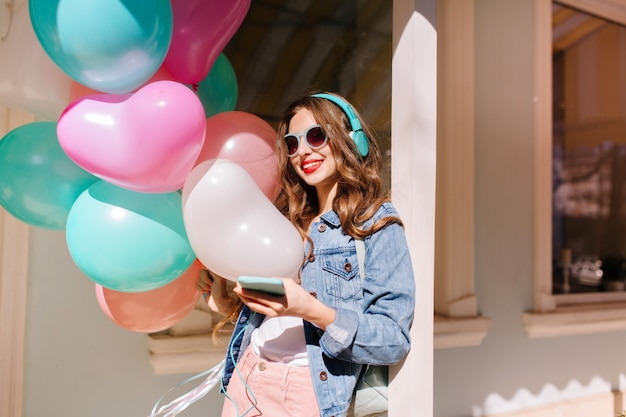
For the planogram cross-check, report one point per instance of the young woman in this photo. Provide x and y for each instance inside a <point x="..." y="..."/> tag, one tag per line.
<point x="300" y="354"/>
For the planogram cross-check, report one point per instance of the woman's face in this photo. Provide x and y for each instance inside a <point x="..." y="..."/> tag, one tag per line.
<point x="316" y="167"/>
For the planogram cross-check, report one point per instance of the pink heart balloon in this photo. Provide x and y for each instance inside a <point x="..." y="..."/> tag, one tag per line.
<point x="201" y="29"/>
<point x="147" y="141"/>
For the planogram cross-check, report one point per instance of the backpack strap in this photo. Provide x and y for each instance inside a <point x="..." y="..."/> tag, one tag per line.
<point x="360" y="253"/>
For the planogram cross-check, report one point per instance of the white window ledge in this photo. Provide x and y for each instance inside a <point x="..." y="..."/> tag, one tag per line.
<point x="460" y="332"/>
<point x="576" y="319"/>
<point x="188" y="347"/>
<point x="185" y="354"/>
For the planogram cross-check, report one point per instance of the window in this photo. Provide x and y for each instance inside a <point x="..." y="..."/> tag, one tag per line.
<point x="579" y="123"/>
<point x="589" y="98"/>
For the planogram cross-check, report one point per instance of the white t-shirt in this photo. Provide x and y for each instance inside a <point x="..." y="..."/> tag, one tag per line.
<point x="281" y="339"/>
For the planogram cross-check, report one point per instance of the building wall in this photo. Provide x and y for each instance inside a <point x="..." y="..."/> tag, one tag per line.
<point x="78" y="362"/>
<point x="508" y="371"/>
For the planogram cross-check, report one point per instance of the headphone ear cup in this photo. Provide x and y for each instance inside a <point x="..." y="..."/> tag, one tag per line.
<point x="360" y="139"/>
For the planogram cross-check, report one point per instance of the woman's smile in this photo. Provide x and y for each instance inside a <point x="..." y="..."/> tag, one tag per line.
<point x="309" y="166"/>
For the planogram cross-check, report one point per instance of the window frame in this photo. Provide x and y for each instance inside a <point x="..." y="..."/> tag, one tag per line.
<point x="561" y="314"/>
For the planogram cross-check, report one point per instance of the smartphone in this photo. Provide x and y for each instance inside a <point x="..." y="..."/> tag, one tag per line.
<point x="269" y="285"/>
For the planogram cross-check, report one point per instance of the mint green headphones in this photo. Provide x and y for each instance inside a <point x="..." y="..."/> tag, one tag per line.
<point x="357" y="134"/>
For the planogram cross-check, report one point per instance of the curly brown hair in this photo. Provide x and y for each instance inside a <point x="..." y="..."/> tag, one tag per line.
<point x="360" y="190"/>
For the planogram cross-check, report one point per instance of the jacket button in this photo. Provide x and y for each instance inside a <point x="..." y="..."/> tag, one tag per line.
<point x="323" y="376"/>
<point x="321" y="227"/>
<point x="347" y="267"/>
<point x="314" y="294"/>
<point x="262" y="366"/>
<point x="312" y="257"/>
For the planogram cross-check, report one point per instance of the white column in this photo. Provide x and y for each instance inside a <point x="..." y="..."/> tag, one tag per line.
<point x="413" y="175"/>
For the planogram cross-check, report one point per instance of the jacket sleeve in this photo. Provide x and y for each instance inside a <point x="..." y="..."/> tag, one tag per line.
<point x="380" y="333"/>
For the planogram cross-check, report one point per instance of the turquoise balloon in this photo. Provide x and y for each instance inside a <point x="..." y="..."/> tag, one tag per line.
<point x="128" y="241"/>
<point x="113" y="46"/>
<point x="38" y="181"/>
<point x="218" y="90"/>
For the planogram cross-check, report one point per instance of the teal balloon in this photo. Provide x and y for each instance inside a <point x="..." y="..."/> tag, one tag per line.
<point x="218" y="90"/>
<point x="39" y="183"/>
<point x="113" y="46"/>
<point x="128" y="241"/>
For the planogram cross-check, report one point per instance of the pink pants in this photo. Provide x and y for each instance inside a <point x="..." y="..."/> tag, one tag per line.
<point x="273" y="390"/>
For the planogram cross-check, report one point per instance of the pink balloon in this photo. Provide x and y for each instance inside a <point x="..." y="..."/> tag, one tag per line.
<point x="248" y="140"/>
<point x="201" y="29"/>
<point x="147" y="141"/>
<point x="155" y="310"/>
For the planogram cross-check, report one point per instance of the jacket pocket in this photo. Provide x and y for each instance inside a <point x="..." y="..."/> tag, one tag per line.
<point x="342" y="280"/>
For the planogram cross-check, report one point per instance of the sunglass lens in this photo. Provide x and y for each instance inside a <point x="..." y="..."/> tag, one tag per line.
<point x="292" y="144"/>
<point x="315" y="137"/>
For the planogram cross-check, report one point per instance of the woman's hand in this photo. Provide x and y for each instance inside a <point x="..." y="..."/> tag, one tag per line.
<point x="204" y="283"/>
<point x="296" y="302"/>
<point x="215" y="290"/>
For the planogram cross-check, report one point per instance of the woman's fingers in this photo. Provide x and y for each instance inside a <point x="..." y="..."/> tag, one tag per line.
<point x="262" y="302"/>
<point x="204" y="282"/>
<point x="222" y="299"/>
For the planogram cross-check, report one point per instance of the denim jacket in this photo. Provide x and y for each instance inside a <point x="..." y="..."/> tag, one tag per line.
<point x="372" y="320"/>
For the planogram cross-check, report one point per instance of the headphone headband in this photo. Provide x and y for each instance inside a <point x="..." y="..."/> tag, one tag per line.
<point x="357" y="134"/>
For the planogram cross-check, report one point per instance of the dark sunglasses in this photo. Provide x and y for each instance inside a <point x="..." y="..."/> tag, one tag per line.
<point x="314" y="136"/>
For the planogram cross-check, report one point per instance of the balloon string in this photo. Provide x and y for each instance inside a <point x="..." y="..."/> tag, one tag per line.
<point x="213" y="376"/>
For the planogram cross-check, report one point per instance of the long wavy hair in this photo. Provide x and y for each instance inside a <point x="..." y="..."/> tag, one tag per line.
<point x="360" y="190"/>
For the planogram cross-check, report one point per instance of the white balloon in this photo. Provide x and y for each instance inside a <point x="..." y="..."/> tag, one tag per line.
<point x="233" y="228"/>
<point x="29" y="80"/>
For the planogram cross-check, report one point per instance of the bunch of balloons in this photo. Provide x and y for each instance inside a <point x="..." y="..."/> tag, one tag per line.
<point x="141" y="158"/>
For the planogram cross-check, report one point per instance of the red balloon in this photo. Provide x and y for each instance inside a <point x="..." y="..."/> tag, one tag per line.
<point x="155" y="310"/>
<point x="247" y="140"/>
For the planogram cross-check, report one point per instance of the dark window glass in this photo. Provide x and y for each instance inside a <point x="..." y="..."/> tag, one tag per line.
<point x="589" y="152"/>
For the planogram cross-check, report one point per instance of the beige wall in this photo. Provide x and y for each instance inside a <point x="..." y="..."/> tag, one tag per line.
<point x="509" y="371"/>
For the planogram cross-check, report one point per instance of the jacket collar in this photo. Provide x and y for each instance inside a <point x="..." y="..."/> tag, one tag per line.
<point x="331" y="218"/>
